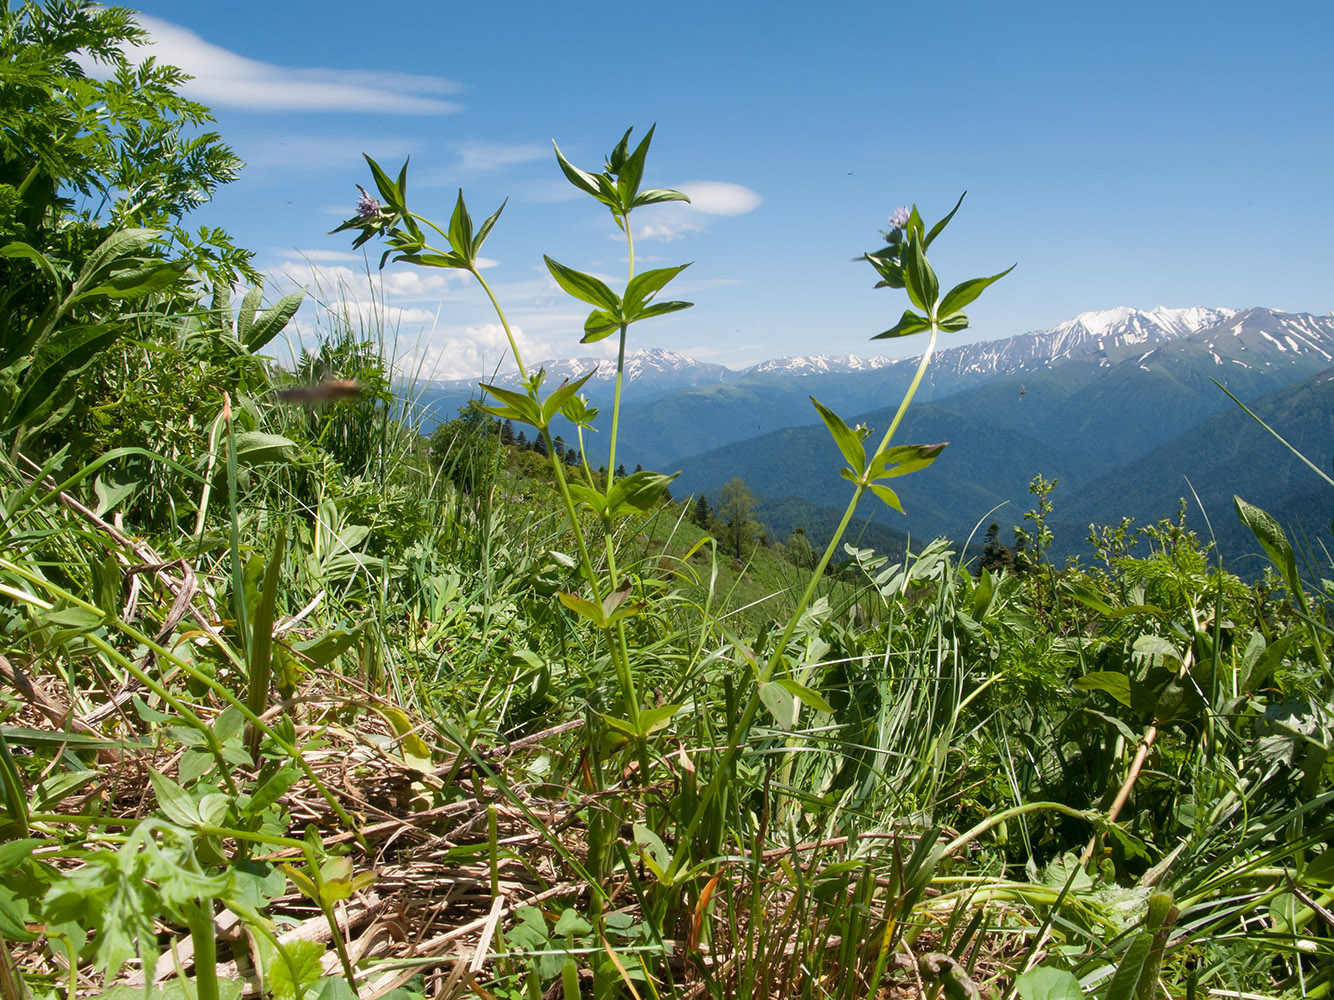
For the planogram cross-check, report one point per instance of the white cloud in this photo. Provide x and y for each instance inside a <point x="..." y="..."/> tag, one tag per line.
<point x="674" y="220"/>
<point x="225" y="79"/>
<point x="720" y="197"/>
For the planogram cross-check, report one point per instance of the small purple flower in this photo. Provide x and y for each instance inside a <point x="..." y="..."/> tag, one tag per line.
<point x="368" y="209"/>
<point x="900" y="217"/>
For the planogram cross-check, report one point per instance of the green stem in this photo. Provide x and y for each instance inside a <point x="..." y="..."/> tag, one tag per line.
<point x="514" y="347"/>
<point x="199" y="918"/>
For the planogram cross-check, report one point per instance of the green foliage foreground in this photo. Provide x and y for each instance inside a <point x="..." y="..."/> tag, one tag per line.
<point x="294" y="703"/>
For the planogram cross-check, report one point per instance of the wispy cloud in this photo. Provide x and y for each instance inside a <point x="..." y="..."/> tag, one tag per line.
<point x="225" y="79"/>
<point x="484" y="156"/>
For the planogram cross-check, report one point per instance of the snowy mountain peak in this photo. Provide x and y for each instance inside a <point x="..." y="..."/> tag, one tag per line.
<point x="1127" y="325"/>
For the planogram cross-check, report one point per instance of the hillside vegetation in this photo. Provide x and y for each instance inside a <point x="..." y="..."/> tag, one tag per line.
<point x="298" y="702"/>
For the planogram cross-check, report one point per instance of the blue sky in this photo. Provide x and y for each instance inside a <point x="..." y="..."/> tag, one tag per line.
<point x="1136" y="154"/>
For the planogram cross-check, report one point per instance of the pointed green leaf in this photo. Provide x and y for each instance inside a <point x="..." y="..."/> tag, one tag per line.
<point x="581" y="179"/>
<point x="849" y="443"/>
<point x="954" y="323"/>
<point x="660" y="309"/>
<point x="584" y="287"/>
<point x="806" y="695"/>
<point x="780" y="703"/>
<point x="518" y="406"/>
<point x="390" y="193"/>
<point x="643" y="286"/>
<point x="631" y="173"/>
<point x="965" y="292"/>
<point x="460" y="228"/>
<point x="1111" y="682"/>
<point x="939" y="226"/>
<point x="654" y="851"/>
<point x="272" y="322"/>
<point x="135" y="283"/>
<point x="919" y="278"/>
<point x="599" y="325"/>
<point x="903" y="459"/>
<point x="583" y="608"/>
<point x="1269" y="533"/>
<point x="557" y="400"/>
<point x="485" y="231"/>
<point x="639" y="492"/>
<point x="655" y="195"/>
<point x="909" y="324"/>
<point x="887" y="495"/>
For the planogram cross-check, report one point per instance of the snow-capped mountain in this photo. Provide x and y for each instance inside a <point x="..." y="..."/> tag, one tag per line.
<point x="820" y="364"/>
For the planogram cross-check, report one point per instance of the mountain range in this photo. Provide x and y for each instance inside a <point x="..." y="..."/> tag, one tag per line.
<point x="1119" y="405"/>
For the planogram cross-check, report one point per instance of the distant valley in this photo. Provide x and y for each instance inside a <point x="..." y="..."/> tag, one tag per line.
<point x="1118" y="405"/>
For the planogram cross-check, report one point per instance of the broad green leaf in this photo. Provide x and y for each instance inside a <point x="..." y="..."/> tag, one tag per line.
<point x="653" y="720"/>
<point x="599" y="325"/>
<point x="1112" y="682"/>
<point x="15" y="852"/>
<point x="415" y="751"/>
<point x="571" y="924"/>
<point x="954" y="323"/>
<point x="530" y="929"/>
<point x="390" y="192"/>
<point x="460" y="229"/>
<point x="272" y="322"/>
<point x="134" y="283"/>
<point x="962" y="294"/>
<point x="661" y="309"/>
<point x="903" y="459"/>
<point x="919" y="278"/>
<point x="887" y="495"/>
<point x="630" y="171"/>
<point x="1125" y="982"/>
<point x="584" y="608"/>
<point x="849" y="441"/>
<point x="654" y="196"/>
<point x="1274" y="541"/>
<point x="557" y="400"/>
<point x="518" y="406"/>
<point x="654" y="851"/>
<point x="584" y="287"/>
<point x="272" y="790"/>
<point x="329" y="646"/>
<point x="907" y="325"/>
<point x="257" y="447"/>
<point x="781" y="704"/>
<point x="174" y="801"/>
<point x="1045" y="983"/>
<point x="643" y="286"/>
<point x="639" y="492"/>
<point x="22" y="250"/>
<point x="805" y="695"/>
